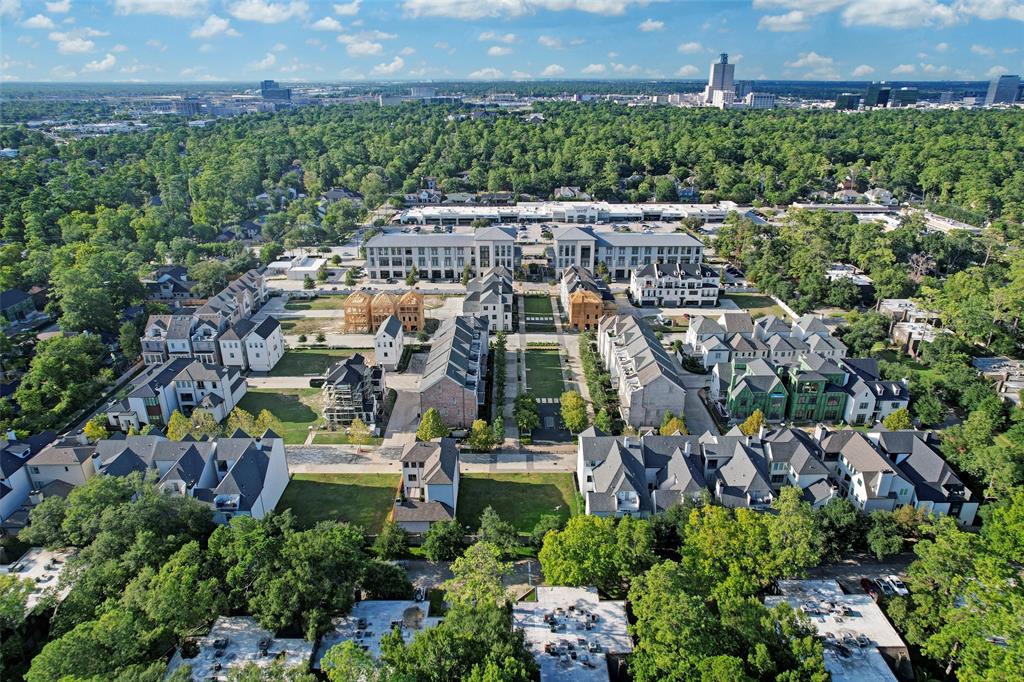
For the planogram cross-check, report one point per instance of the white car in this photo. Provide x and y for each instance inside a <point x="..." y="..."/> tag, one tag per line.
<point x="897" y="585"/>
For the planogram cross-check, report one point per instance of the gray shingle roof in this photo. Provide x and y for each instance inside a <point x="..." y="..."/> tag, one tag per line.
<point x="390" y="327"/>
<point x="456" y="347"/>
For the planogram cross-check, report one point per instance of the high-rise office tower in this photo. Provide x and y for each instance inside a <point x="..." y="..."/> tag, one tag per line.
<point x="847" y="101"/>
<point x="720" y="78"/>
<point x="271" y="90"/>
<point x="902" y="97"/>
<point x="1003" y="90"/>
<point x="877" y="95"/>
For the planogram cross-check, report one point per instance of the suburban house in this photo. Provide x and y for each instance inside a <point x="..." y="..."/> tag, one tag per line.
<point x="364" y="312"/>
<point x="643" y="373"/>
<point x="67" y="460"/>
<point x="389" y="343"/>
<point x="755" y="385"/>
<point x="735" y="336"/>
<point x="584" y="298"/>
<point x="674" y="285"/>
<point x="863" y="475"/>
<point x="453" y="378"/>
<point x="816" y="390"/>
<point x="871" y="399"/>
<point x="15" y="305"/>
<point x="352" y="390"/>
<point x="236" y="476"/>
<point x="169" y="283"/>
<point x="181" y="384"/>
<point x="264" y="345"/>
<point x="15" y="482"/>
<point x="490" y="295"/>
<point x="573" y="193"/>
<point x="430" y="484"/>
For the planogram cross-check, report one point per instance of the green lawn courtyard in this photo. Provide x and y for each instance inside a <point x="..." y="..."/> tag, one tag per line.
<point x="295" y="408"/>
<point x="537" y="305"/>
<point x="361" y="499"/>
<point x="311" y="361"/>
<point x="539" y="316"/>
<point x="320" y="303"/>
<point x="544" y="373"/>
<point x="758" y="305"/>
<point x="520" y="499"/>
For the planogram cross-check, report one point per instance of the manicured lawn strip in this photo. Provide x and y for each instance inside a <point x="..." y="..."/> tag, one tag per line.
<point x="362" y="499"/>
<point x="290" y="405"/>
<point x="321" y="303"/>
<point x="757" y="305"/>
<point x="310" y="326"/>
<point x="544" y="373"/>
<point x="339" y="438"/>
<point x="537" y="305"/>
<point x="520" y="499"/>
<point x="310" y="361"/>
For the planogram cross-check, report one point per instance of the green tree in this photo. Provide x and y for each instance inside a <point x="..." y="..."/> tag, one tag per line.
<point x="385" y="580"/>
<point x="467" y="274"/>
<point x="526" y="412"/>
<point x="359" y="432"/>
<point x="898" y="420"/>
<point x="128" y="340"/>
<point x="178" y="426"/>
<point x="584" y="553"/>
<point x="497" y="532"/>
<point x="842" y="528"/>
<point x="350" y="277"/>
<point x="672" y="424"/>
<point x="210" y="276"/>
<point x="347" y="662"/>
<point x="928" y="409"/>
<point x="884" y="537"/>
<point x="477" y="578"/>
<point x="96" y="428"/>
<point x="574" y="411"/>
<point x="443" y="541"/>
<point x="270" y="252"/>
<point x="431" y="426"/>
<point x="14" y="594"/>
<point x="603" y="421"/>
<point x="412" y="277"/>
<point x="392" y="542"/>
<point x="308" y="283"/>
<point x="546" y="523"/>
<point x="481" y="437"/>
<point x="794" y="534"/>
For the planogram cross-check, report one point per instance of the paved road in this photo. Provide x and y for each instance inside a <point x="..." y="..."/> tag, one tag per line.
<point x="698" y="419"/>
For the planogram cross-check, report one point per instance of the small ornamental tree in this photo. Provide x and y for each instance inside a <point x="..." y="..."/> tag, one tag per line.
<point x="753" y="423"/>
<point x="443" y="541"/>
<point x="898" y="420"/>
<point x="431" y="426"/>
<point x="574" y="411"/>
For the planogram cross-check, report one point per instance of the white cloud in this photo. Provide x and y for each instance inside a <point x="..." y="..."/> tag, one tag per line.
<point x="862" y="70"/>
<point x="59" y="7"/>
<point x="493" y="37"/>
<point x="521" y="75"/>
<point x="61" y="71"/>
<point x="480" y="9"/>
<point x="134" y="68"/>
<point x="550" y="42"/>
<point x="389" y="68"/>
<point x="577" y="41"/>
<point x="326" y="24"/>
<point x="941" y="47"/>
<point x="795" y="20"/>
<point x="982" y="50"/>
<point x="690" y="48"/>
<point x="99" y="65"/>
<point x="168" y="8"/>
<point x="406" y="51"/>
<point x="819" y="67"/>
<point x="281" y="47"/>
<point x="191" y="71"/>
<point x="613" y="55"/>
<point x="119" y="48"/>
<point x="904" y="69"/>
<point x="650" y="25"/>
<point x="498" y="51"/>
<point x="27" y="40"/>
<point x="489" y="73"/>
<point x="72" y="45"/>
<point x="156" y="45"/>
<point x="267" y="12"/>
<point x="213" y="26"/>
<point x="263" y="64"/>
<point x="935" y="69"/>
<point x="552" y="70"/>
<point x="441" y="45"/>
<point x="206" y="48"/>
<point x="899" y="13"/>
<point x="996" y="71"/>
<point x="687" y="71"/>
<point x="348" y="9"/>
<point x="40" y="21"/>
<point x="622" y="68"/>
<point x="593" y="69"/>
<point x="360" y="47"/>
<point x="315" y="42"/>
<point x="1009" y="50"/>
<point x="992" y="9"/>
<point x="809" y="6"/>
<point x="378" y="35"/>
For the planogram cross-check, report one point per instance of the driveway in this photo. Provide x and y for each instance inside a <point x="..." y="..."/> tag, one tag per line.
<point x="698" y="419"/>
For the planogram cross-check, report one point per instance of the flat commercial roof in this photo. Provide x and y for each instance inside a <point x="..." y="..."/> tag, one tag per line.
<point x="372" y="619"/>
<point x="840" y="619"/>
<point x="236" y="641"/>
<point x="568" y="611"/>
<point x="41" y="567"/>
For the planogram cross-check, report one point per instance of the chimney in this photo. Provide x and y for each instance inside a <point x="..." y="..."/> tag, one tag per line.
<point x="80" y="437"/>
<point x="748" y="441"/>
<point x="686" y="450"/>
<point x="820" y="431"/>
<point x="35" y="496"/>
<point x="11" y="435"/>
<point x="96" y="462"/>
<point x="760" y="432"/>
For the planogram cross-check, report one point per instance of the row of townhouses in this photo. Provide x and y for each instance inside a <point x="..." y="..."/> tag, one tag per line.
<point x="453" y="379"/>
<point x="675" y="285"/>
<point x="182" y="385"/>
<point x="239" y="475"/>
<point x="644" y="375"/>
<point x="219" y="332"/>
<point x="365" y="311"/>
<point x="639" y="476"/>
<point x="491" y="296"/>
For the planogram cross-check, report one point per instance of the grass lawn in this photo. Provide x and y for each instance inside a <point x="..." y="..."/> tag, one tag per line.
<point x="297" y="363"/>
<point x="912" y="365"/>
<point x="537" y="305"/>
<point x="520" y="499"/>
<point x="543" y="373"/>
<point x="757" y="305"/>
<point x="309" y="326"/>
<point x="339" y="438"/>
<point x="296" y="408"/>
<point x="321" y="303"/>
<point x="362" y="499"/>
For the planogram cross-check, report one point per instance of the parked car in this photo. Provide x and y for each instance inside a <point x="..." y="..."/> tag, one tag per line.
<point x="871" y="588"/>
<point x="887" y="589"/>
<point x="897" y="585"/>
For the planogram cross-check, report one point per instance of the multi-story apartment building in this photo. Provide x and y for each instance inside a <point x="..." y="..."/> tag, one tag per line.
<point x="491" y="296"/>
<point x="585" y="212"/>
<point x="441" y="256"/>
<point x="453" y="379"/>
<point x="353" y="390"/>
<point x="622" y="252"/>
<point x="674" y="285"/>
<point x="644" y="375"/>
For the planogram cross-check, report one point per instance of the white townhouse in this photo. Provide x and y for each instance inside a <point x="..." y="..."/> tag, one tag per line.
<point x="430" y="484"/>
<point x="674" y="285"/>
<point x="389" y="343"/>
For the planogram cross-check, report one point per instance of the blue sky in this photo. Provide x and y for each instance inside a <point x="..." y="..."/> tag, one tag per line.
<point x="247" y="40"/>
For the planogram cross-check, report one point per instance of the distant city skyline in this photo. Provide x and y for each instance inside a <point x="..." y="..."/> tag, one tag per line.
<point x="295" y="40"/>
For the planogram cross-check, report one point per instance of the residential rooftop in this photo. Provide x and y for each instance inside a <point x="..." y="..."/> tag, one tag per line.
<point x="237" y="641"/>
<point x="43" y="568"/>
<point x="370" y="620"/>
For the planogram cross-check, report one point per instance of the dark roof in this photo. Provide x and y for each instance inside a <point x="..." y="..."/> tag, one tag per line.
<point x="238" y="331"/>
<point x="440" y="459"/>
<point x="390" y="327"/>
<point x="266" y="328"/>
<point x="12" y="297"/>
<point x="411" y="511"/>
